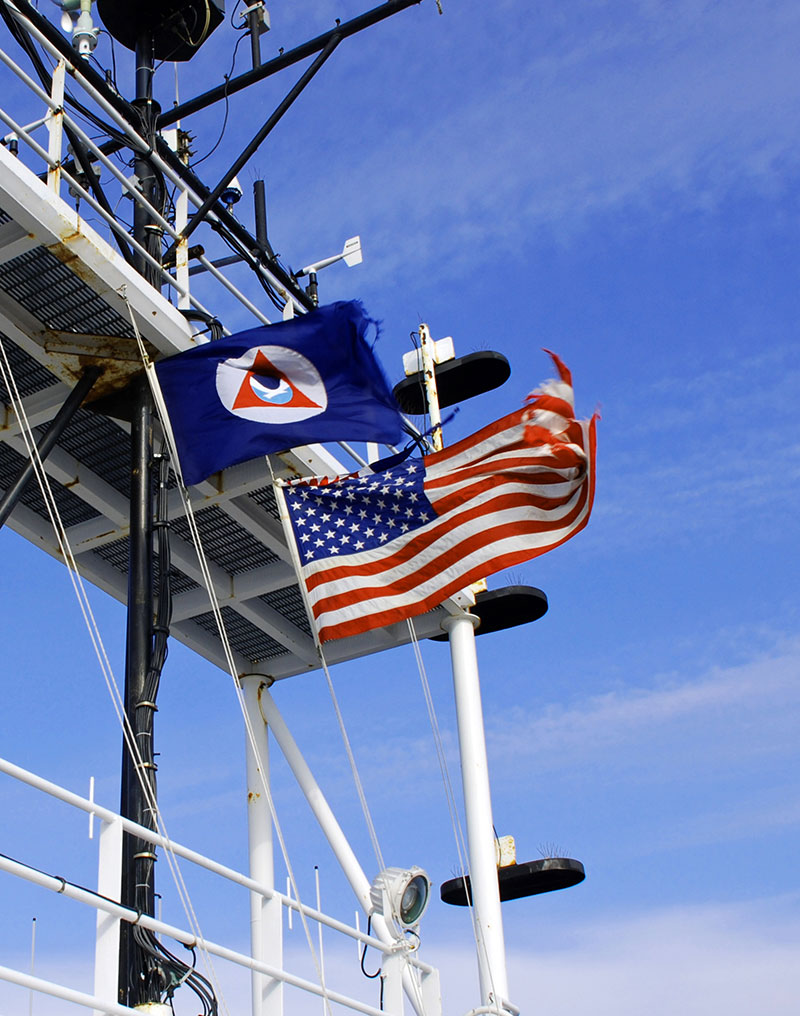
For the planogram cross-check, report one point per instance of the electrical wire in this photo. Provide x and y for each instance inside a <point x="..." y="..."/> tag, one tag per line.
<point x="224" y="639"/>
<point x="228" y="77"/>
<point x="97" y="641"/>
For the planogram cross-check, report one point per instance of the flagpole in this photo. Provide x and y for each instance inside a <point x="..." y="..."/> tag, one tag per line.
<point x="485" y="888"/>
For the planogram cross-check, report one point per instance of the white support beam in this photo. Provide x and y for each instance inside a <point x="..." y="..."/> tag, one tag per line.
<point x="14" y="241"/>
<point x="40" y="408"/>
<point x="81" y="481"/>
<point x="246" y="586"/>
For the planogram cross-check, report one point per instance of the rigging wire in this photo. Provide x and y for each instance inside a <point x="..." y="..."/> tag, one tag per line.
<point x="224" y="639"/>
<point x="362" y="797"/>
<point x="458" y="831"/>
<point x="98" y="644"/>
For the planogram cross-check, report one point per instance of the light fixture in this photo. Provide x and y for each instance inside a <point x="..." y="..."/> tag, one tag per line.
<point x="401" y="895"/>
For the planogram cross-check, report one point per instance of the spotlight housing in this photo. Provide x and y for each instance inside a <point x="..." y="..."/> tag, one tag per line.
<point x="401" y="895"/>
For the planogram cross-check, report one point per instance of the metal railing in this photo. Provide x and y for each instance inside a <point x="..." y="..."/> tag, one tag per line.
<point x="56" y="118"/>
<point x="396" y="958"/>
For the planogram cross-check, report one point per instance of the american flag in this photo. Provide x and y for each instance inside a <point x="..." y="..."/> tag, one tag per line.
<point x="379" y="547"/>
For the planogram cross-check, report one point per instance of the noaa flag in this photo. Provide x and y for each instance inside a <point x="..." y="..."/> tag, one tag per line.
<point x="312" y="378"/>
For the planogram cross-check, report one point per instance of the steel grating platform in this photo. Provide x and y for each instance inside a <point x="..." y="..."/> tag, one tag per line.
<point x="65" y="303"/>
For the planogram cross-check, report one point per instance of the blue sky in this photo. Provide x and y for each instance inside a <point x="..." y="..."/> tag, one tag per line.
<point x="619" y="183"/>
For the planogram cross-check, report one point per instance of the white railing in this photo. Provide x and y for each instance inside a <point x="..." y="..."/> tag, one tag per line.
<point x="397" y="959"/>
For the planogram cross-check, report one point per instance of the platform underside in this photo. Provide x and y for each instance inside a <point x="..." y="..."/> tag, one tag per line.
<point x="66" y="299"/>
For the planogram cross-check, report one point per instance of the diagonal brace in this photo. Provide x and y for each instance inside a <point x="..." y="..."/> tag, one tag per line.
<point x="273" y="120"/>
<point x="51" y="436"/>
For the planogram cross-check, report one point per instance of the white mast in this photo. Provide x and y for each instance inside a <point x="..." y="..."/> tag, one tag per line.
<point x="485" y="890"/>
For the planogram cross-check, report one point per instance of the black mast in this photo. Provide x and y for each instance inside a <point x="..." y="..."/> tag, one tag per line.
<point x="138" y="857"/>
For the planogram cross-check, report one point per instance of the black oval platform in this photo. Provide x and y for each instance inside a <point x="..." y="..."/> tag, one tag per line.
<point x="456" y="381"/>
<point x="505" y="608"/>
<point x="519" y="880"/>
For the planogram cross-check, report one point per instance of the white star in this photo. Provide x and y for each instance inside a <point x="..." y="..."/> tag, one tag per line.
<point x="315" y="528"/>
<point x="344" y="538"/>
<point x="299" y="521"/>
<point x="423" y="516"/>
<point x="334" y="550"/>
<point x="354" y="528"/>
<point x="326" y="517"/>
<point x="383" y="538"/>
<point x="348" y="509"/>
<point x="330" y="534"/>
<point x="312" y="511"/>
<point x="305" y="537"/>
<point x="377" y="519"/>
<point x="363" y="513"/>
<point x="403" y="527"/>
<point x="411" y="468"/>
<point x="359" y="544"/>
<point x="391" y="523"/>
<point x="319" y="543"/>
<point x="412" y="496"/>
<point x="369" y="532"/>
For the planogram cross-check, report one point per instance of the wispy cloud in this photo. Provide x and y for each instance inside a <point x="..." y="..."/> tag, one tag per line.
<point x="534" y="124"/>
<point x="731" y="711"/>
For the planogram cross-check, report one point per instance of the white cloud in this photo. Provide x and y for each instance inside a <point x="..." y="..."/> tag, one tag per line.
<point x="731" y="712"/>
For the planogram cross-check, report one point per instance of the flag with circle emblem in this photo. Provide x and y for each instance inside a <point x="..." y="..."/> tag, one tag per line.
<point x="312" y="379"/>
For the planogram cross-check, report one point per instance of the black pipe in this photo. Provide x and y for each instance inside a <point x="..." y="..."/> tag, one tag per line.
<point x="250" y="149"/>
<point x="57" y="427"/>
<point x="293" y="56"/>
<point x="253" y="26"/>
<point x="260" y="210"/>
<point x="138" y="857"/>
<point x="138" y="888"/>
<point x="228" y="222"/>
<point x="145" y="231"/>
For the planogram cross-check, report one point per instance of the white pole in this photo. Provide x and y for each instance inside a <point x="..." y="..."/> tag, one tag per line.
<point x="478" y="809"/>
<point x="342" y="850"/>
<point x="109" y="875"/>
<point x="431" y="391"/>
<point x="316" y="799"/>
<point x="265" y="914"/>
<point x="33" y="963"/>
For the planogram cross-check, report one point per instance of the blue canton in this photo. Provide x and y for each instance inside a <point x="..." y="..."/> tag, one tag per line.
<point x="360" y="513"/>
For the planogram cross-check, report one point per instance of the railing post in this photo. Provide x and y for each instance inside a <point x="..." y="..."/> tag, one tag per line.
<point x="392" y="967"/>
<point x="266" y="927"/>
<point x="55" y="127"/>
<point x="106" y="952"/>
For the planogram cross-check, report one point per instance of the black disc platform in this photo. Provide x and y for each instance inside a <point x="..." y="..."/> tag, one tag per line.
<point x="456" y="381"/>
<point x="505" y="608"/>
<point x="518" y="880"/>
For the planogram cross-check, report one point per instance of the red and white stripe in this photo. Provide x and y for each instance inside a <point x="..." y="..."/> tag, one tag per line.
<point x="512" y="491"/>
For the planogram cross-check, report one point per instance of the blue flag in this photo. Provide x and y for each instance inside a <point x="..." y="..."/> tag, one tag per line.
<point x="313" y="378"/>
